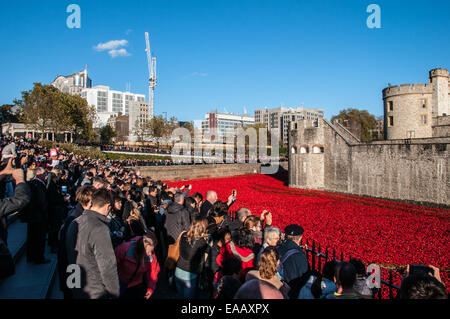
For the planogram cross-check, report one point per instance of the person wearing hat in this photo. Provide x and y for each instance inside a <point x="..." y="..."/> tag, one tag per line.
<point x="294" y="266"/>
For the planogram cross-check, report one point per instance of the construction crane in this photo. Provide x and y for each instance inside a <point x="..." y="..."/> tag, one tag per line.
<point x="151" y="73"/>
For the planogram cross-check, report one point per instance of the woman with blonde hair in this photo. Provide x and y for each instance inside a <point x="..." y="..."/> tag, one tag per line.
<point x="193" y="249"/>
<point x="267" y="270"/>
<point x="134" y="221"/>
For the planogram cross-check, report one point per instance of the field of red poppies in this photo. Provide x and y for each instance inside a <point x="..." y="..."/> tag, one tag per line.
<point x="391" y="234"/>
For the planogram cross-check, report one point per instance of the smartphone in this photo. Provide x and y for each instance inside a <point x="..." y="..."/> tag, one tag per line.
<point x="64" y="189"/>
<point x="233" y="192"/>
<point x="419" y="269"/>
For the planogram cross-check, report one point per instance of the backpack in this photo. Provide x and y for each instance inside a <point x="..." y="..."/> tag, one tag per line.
<point x="288" y="254"/>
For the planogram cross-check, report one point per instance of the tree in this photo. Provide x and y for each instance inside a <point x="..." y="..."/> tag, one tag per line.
<point x="142" y="130"/>
<point x="7" y="115"/>
<point x="361" y="120"/>
<point x="37" y="106"/>
<point x="46" y="108"/>
<point x="190" y="127"/>
<point x="106" y="134"/>
<point x="159" y="128"/>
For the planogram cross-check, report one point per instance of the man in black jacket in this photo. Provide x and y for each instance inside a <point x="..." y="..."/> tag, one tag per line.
<point x="89" y="245"/>
<point x="37" y="219"/>
<point x="293" y="263"/>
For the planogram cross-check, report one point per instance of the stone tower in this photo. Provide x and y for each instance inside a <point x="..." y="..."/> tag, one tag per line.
<point x="440" y="81"/>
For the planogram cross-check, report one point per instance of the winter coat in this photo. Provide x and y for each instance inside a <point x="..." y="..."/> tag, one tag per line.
<point x="177" y="221"/>
<point x="192" y="257"/>
<point x="127" y="265"/>
<point x="37" y="209"/>
<point x="93" y="251"/>
<point x="245" y="255"/>
<point x="295" y="268"/>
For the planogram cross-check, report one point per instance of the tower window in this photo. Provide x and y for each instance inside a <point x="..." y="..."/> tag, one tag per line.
<point x="423" y="119"/>
<point x="390" y="106"/>
<point x="423" y="103"/>
<point x="391" y="120"/>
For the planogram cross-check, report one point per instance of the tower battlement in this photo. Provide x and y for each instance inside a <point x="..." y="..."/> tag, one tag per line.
<point x="416" y="88"/>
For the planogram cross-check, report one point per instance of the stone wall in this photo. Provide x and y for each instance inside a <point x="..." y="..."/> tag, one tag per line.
<point x="441" y="126"/>
<point x="184" y="172"/>
<point x="414" y="170"/>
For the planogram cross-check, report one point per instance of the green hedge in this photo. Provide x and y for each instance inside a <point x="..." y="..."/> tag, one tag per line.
<point x="93" y="152"/>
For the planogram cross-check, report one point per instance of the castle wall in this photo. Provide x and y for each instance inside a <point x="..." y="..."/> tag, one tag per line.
<point x="306" y="166"/>
<point x="418" y="171"/>
<point x="441" y="126"/>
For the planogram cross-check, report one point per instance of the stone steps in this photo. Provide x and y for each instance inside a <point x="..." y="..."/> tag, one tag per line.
<point x="30" y="281"/>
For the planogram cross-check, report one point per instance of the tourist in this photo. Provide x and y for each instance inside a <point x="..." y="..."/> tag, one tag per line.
<point x="191" y="263"/>
<point x="177" y="219"/>
<point x="293" y="263"/>
<point x="272" y="236"/>
<point x="84" y="199"/>
<point x="37" y="218"/>
<point x="361" y="287"/>
<point x="133" y="220"/>
<point x="253" y="224"/>
<point x="422" y="285"/>
<point x="344" y="278"/>
<point x="258" y="289"/>
<point x="320" y="285"/>
<point x="190" y="206"/>
<point x="57" y="207"/>
<point x="93" y="251"/>
<point x="138" y="267"/>
<point x="240" y="247"/>
<point x="228" y="287"/>
<point x="241" y="214"/>
<point x="267" y="270"/>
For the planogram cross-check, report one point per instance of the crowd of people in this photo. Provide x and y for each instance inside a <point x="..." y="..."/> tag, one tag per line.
<point x="128" y="234"/>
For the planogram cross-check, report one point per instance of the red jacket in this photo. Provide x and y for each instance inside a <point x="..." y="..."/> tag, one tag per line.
<point x="245" y="255"/>
<point x="126" y="266"/>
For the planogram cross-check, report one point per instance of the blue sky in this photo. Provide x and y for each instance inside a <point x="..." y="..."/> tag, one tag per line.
<point x="229" y="54"/>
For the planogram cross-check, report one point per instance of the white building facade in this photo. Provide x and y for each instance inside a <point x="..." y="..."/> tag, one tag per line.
<point x="109" y="102"/>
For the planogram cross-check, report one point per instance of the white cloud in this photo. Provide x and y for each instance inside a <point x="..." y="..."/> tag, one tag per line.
<point x="120" y="52"/>
<point x="111" y="45"/>
<point x="128" y="31"/>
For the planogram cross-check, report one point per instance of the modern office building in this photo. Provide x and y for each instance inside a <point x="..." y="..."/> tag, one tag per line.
<point x="224" y="124"/>
<point x="109" y="102"/>
<point x="279" y="118"/>
<point x="139" y="113"/>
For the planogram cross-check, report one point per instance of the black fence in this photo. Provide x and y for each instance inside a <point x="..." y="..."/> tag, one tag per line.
<point x="316" y="257"/>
